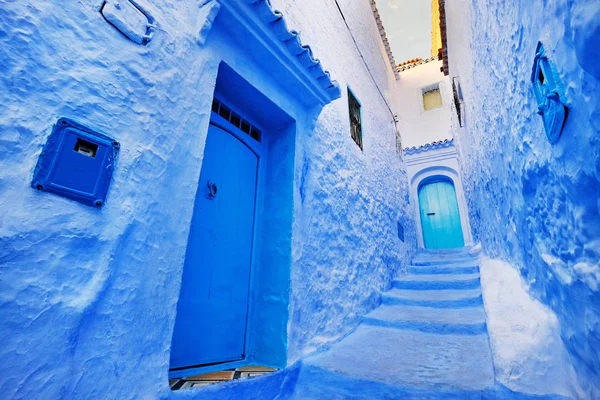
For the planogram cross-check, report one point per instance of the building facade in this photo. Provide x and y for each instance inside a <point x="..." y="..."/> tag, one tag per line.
<point x="172" y="166"/>
<point x="90" y="293"/>
<point x="532" y="202"/>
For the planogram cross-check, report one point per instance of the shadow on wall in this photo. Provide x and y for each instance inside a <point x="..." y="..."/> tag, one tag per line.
<point x="533" y="202"/>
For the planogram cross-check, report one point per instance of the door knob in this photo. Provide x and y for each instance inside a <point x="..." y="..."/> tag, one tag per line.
<point x="211" y="190"/>
<point x="429" y="214"/>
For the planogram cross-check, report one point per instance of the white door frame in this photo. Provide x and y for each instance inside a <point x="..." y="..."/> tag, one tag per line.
<point x="437" y="160"/>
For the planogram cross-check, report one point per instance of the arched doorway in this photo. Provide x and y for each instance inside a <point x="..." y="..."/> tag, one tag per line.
<point x="440" y="217"/>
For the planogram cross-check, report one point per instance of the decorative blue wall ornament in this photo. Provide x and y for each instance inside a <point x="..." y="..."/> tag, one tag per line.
<point x="130" y="19"/>
<point x="209" y="9"/>
<point x="549" y="95"/>
<point x="77" y="163"/>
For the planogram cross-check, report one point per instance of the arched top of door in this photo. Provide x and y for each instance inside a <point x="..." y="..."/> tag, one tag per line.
<point x="433" y="174"/>
<point x="434" y="179"/>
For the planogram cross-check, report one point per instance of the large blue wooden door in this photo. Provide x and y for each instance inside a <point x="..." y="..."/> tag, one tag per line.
<point x="212" y="311"/>
<point x="440" y="217"/>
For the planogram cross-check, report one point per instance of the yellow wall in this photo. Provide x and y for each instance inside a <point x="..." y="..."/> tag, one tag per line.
<point x="436" y="34"/>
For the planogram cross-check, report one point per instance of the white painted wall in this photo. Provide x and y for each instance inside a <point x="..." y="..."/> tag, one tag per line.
<point x="417" y="126"/>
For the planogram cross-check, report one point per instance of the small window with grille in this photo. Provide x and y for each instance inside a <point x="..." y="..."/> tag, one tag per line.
<point x="432" y="98"/>
<point x="355" y="120"/>
<point x="458" y="100"/>
<point x="234" y="118"/>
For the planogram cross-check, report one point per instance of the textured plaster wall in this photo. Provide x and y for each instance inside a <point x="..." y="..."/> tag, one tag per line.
<point x="88" y="296"/>
<point x="532" y="203"/>
<point x="419" y="127"/>
<point x="345" y="247"/>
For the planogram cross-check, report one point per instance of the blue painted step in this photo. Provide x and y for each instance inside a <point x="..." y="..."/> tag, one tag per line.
<point x="444" y="261"/>
<point x="383" y="356"/>
<point x="443" y="321"/>
<point x="317" y="383"/>
<point x="436" y="269"/>
<point x="449" y="252"/>
<point x="437" y="281"/>
<point x="434" y="298"/>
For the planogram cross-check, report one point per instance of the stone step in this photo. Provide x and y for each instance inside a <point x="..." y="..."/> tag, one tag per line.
<point x="465" y="321"/>
<point x="316" y="383"/>
<point x="442" y="269"/>
<point x="434" y="298"/>
<point x="449" y="263"/>
<point x="459" y="250"/>
<point x="437" y="281"/>
<point x="464" y="249"/>
<point x="377" y="362"/>
<point x="444" y="261"/>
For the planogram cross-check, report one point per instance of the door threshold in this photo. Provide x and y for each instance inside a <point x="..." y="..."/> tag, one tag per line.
<point x="220" y="376"/>
<point x="206" y="368"/>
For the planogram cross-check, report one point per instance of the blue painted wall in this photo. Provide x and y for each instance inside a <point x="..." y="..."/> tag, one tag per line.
<point x="533" y="203"/>
<point x="87" y="296"/>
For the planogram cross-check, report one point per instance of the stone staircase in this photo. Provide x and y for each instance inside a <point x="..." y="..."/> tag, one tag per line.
<point x="427" y="339"/>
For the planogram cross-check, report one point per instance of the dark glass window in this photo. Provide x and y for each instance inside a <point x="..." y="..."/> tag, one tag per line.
<point x="235" y="120"/>
<point x="225" y="112"/>
<point x="355" y="121"/>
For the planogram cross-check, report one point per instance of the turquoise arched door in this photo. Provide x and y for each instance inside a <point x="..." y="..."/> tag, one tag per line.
<point x="440" y="217"/>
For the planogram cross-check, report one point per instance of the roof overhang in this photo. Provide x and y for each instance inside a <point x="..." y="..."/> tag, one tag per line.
<point x="264" y="33"/>
<point x="441" y="144"/>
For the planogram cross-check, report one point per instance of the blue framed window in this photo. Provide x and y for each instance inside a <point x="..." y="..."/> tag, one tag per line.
<point x="548" y="94"/>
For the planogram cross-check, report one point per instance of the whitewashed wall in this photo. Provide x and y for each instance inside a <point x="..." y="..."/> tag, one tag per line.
<point x="417" y="126"/>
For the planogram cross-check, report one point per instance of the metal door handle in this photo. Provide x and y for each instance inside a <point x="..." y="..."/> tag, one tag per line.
<point x="430" y="214"/>
<point x="212" y="189"/>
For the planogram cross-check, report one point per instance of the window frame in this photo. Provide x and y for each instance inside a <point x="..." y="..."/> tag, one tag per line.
<point x="431" y="88"/>
<point x="360" y="142"/>
<point x="458" y="101"/>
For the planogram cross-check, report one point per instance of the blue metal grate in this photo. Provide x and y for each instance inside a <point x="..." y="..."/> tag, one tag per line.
<point x="236" y="120"/>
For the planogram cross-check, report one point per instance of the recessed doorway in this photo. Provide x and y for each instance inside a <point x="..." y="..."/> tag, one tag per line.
<point x="213" y="304"/>
<point x="233" y="304"/>
<point x="440" y="217"/>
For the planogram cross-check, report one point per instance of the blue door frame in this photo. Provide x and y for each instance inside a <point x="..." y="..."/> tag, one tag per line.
<point x="214" y="304"/>
<point x="440" y="217"/>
